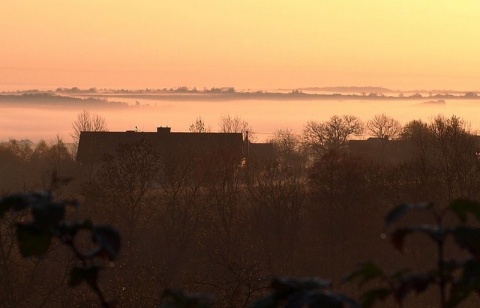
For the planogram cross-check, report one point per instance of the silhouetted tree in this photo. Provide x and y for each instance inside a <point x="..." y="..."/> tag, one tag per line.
<point x="14" y="165"/>
<point x="444" y="161"/>
<point x="234" y="275"/>
<point x="180" y="211"/>
<point x="26" y="168"/>
<point x="338" y="178"/>
<point x="123" y="184"/>
<point x="87" y="122"/>
<point x="319" y="138"/>
<point x="277" y="196"/>
<point x="384" y="127"/>
<point x="290" y="156"/>
<point x="286" y="142"/>
<point x="198" y="126"/>
<point x="455" y="156"/>
<point x="415" y="131"/>
<point x="229" y="124"/>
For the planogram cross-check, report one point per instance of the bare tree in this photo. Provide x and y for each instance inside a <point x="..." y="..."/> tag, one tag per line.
<point x="289" y="153"/>
<point x="285" y="140"/>
<point x="198" y="126"/>
<point x="384" y="127"/>
<point x="87" y="122"/>
<point x="444" y="161"/>
<point x="277" y="192"/>
<point x="229" y="124"/>
<point x="124" y="184"/>
<point x="331" y="135"/>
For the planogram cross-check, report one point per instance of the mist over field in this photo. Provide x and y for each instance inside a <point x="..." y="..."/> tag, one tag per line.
<point x="49" y="117"/>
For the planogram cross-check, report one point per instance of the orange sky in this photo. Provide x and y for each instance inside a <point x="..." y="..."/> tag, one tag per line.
<point x="261" y="44"/>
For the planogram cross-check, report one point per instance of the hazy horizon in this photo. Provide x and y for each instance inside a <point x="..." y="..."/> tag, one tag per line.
<point x="7" y="88"/>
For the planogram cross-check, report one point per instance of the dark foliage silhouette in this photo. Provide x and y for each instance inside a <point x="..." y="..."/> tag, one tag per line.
<point x="48" y="224"/>
<point x="455" y="278"/>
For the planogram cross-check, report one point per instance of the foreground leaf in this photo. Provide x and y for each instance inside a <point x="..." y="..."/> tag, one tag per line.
<point x="369" y="298"/>
<point x="88" y="274"/>
<point x="33" y="242"/>
<point x="48" y="215"/>
<point x="469" y="282"/>
<point x="469" y="239"/>
<point x="463" y="207"/>
<point x="108" y="239"/>
<point x="287" y="286"/>
<point x="417" y="283"/>
<point x="366" y="272"/>
<point x="310" y="292"/>
<point x="401" y="210"/>
<point x="7" y="202"/>
<point x="179" y="298"/>
<point x="436" y="233"/>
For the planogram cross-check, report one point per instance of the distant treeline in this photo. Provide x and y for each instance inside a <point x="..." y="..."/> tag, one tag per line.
<point x="230" y="93"/>
<point x="37" y="98"/>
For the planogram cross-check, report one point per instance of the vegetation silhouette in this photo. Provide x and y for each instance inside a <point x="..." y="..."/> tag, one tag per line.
<point x="87" y="122"/>
<point x="456" y="279"/>
<point x="49" y="223"/>
<point x="197" y="224"/>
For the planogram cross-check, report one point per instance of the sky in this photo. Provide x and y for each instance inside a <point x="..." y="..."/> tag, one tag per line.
<point x="247" y="44"/>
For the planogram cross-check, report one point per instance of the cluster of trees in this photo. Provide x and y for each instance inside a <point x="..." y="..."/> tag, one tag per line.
<point x="24" y="167"/>
<point x="191" y="219"/>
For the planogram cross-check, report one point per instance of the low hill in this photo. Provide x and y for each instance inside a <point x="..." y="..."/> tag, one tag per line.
<point x="349" y="89"/>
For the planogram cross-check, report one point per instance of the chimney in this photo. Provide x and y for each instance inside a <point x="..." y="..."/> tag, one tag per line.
<point x="163" y="130"/>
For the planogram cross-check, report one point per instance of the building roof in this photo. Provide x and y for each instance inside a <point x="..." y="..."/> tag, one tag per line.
<point x="94" y="145"/>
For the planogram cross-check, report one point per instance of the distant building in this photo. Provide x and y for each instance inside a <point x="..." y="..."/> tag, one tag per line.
<point x="392" y="151"/>
<point x="94" y="145"/>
